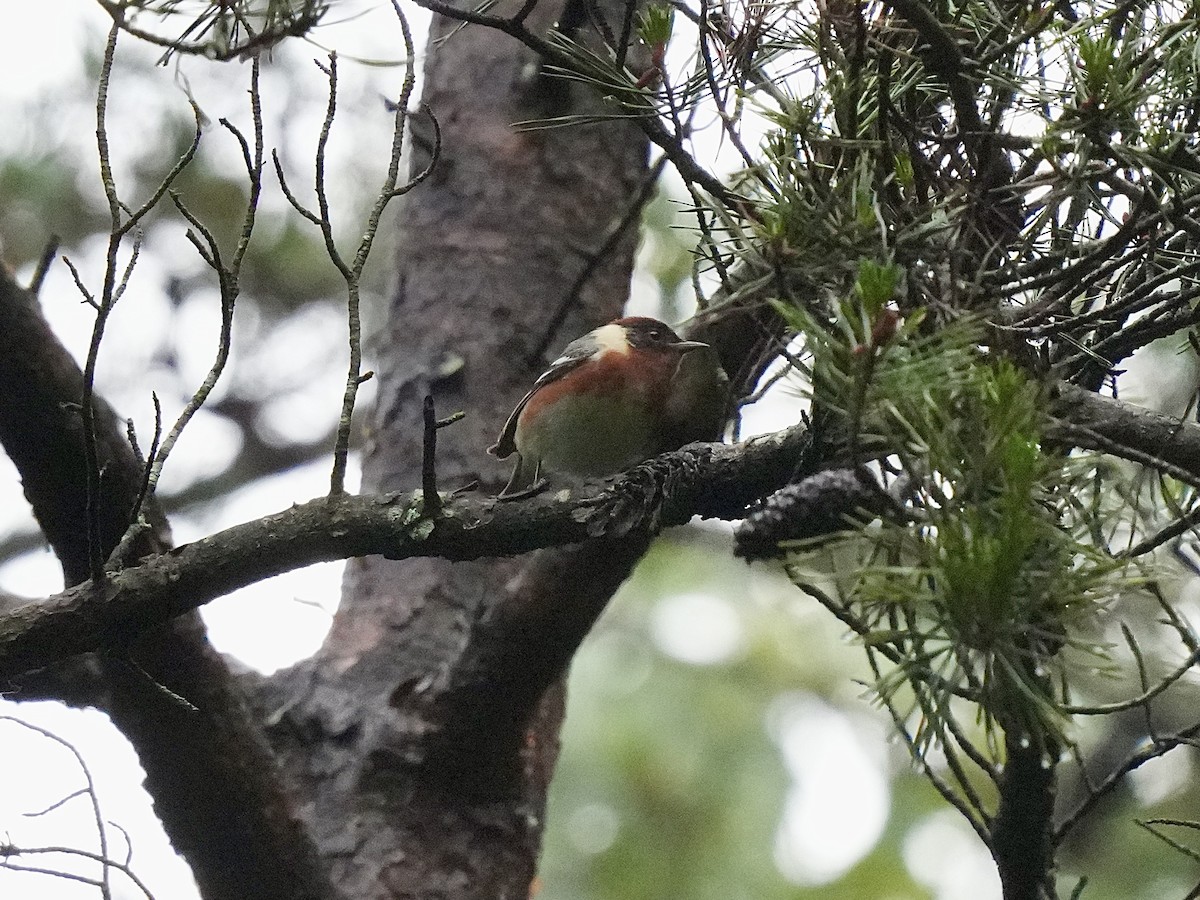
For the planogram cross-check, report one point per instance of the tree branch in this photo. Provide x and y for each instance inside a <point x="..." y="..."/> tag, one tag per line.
<point x="1147" y="433"/>
<point x="1021" y="839"/>
<point x="704" y="479"/>
<point x="713" y="480"/>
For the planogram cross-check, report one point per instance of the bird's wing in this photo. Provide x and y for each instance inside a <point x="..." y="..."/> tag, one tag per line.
<point x="574" y="354"/>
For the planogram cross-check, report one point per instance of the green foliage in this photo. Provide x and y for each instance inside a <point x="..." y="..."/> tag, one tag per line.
<point x="821" y="228"/>
<point x="655" y="23"/>
<point x="876" y="285"/>
<point x="42" y="197"/>
<point x="980" y="585"/>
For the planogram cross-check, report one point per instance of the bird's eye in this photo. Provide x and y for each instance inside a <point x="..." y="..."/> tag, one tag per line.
<point x="654" y="334"/>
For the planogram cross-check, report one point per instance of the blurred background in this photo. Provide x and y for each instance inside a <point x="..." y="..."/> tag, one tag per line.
<point x="721" y="741"/>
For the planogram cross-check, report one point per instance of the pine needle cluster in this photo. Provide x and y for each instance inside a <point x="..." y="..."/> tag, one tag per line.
<point x="982" y="583"/>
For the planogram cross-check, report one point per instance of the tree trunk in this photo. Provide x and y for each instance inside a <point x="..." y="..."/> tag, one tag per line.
<point x="413" y="791"/>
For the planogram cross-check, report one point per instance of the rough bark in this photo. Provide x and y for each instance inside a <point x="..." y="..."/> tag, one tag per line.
<point x="42" y="434"/>
<point x="1022" y="834"/>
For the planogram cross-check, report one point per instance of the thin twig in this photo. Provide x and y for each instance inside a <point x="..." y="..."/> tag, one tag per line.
<point x="296" y="24"/>
<point x="1141" y="699"/>
<point x="49" y="252"/>
<point x="1181" y="525"/>
<point x="1093" y="440"/>
<point x="228" y="276"/>
<point x="431" y="500"/>
<point x="122" y="222"/>
<point x="9" y="850"/>
<point x="89" y="789"/>
<point x="431" y="503"/>
<point x="57" y="804"/>
<point x="1135" y="760"/>
<point x="103" y="308"/>
<point x="352" y="273"/>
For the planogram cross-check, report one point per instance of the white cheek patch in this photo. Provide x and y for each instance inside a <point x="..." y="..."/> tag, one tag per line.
<point x="611" y="337"/>
<point x="606" y="339"/>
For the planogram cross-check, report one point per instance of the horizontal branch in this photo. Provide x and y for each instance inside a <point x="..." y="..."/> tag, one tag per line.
<point x="712" y="480"/>
<point x="1151" y="436"/>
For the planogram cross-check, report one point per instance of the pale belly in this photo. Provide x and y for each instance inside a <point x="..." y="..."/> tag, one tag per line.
<point x="584" y="440"/>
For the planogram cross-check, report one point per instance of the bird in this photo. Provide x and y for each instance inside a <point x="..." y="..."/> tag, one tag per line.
<point x="620" y="394"/>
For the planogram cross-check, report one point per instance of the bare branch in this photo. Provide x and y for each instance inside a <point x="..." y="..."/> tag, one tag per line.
<point x="705" y="479"/>
<point x="228" y="277"/>
<point x="49" y="252"/>
<point x="122" y="222"/>
<point x="89" y="789"/>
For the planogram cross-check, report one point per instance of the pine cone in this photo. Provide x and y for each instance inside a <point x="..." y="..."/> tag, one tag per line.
<point x="816" y="506"/>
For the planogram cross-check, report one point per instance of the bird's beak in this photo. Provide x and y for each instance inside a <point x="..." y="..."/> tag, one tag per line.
<point x="686" y="346"/>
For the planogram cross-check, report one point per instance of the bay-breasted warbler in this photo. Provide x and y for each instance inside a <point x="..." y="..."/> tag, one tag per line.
<point x="619" y="395"/>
